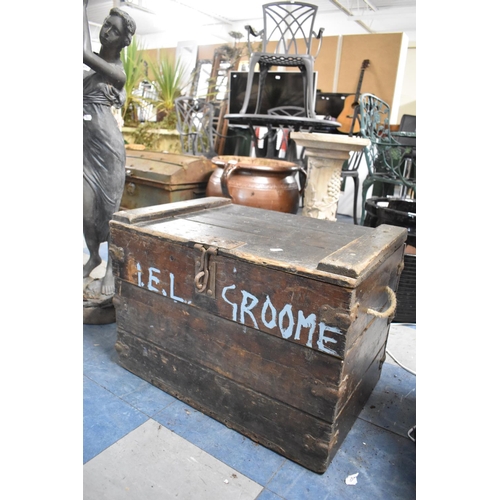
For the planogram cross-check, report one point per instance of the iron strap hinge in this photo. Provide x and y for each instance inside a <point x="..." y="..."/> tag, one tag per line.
<point x="205" y="270"/>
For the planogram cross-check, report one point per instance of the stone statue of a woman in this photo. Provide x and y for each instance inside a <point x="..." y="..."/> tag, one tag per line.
<point x="103" y="144"/>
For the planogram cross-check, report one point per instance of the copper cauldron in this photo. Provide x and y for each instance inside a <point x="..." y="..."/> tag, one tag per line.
<point x="256" y="182"/>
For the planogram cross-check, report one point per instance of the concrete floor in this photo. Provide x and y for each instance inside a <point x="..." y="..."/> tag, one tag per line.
<point x="141" y="443"/>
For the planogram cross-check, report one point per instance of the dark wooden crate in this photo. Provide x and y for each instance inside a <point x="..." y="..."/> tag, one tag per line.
<point x="282" y="342"/>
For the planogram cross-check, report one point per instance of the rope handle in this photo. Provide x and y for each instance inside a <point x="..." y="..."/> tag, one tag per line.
<point x="390" y="310"/>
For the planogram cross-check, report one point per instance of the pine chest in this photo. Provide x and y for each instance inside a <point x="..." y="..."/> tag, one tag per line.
<point x="274" y="324"/>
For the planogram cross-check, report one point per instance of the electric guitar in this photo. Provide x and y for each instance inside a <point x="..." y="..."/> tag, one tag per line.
<point x="349" y="115"/>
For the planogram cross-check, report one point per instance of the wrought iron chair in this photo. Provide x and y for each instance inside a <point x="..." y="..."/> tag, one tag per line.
<point x="290" y="26"/>
<point x="407" y="136"/>
<point x="350" y="168"/>
<point x="386" y="157"/>
<point x="195" y="126"/>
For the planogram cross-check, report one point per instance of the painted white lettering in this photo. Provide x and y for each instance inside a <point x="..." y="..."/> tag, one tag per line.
<point x="268" y="305"/>
<point x="172" y="285"/>
<point x="153" y="279"/>
<point x="303" y="322"/>
<point x="139" y="275"/>
<point x="246" y="308"/>
<point x="286" y="311"/>
<point x="233" y="305"/>
<point x="322" y="338"/>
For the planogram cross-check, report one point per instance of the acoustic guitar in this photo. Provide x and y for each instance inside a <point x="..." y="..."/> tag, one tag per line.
<point x="348" y="117"/>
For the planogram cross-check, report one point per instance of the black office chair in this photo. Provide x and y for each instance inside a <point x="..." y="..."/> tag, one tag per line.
<point x="290" y="25"/>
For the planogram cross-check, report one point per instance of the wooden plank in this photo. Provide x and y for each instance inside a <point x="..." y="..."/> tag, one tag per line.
<point x="365" y="252"/>
<point x="146" y="214"/>
<point x="309" y="380"/>
<point x="282" y="249"/>
<point x="372" y="295"/>
<point x="270" y="222"/>
<point x="347" y="416"/>
<point x="360" y="357"/>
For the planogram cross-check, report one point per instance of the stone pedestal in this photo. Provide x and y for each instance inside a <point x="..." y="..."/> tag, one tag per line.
<point x="97" y="309"/>
<point x="326" y="153"/>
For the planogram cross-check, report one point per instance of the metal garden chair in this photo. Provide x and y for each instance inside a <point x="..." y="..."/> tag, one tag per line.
<point x="289" y="25"/>
<point x="195" y="126"/>
<point x="386" y="157"/>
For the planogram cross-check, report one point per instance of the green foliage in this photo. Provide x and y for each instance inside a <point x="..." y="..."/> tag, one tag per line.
<point x="133" y="64"/>
<point x="145" y="134"/>
<point x="167" y="79"/>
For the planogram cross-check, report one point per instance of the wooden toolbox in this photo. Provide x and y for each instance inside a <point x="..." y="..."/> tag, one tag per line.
<point x="154" y="178"/>
<point x="274" y="324"/>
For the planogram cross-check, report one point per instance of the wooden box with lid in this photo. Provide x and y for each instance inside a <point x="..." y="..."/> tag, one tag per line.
<point x="155" y="178"/>
<point x="274" y="324"/>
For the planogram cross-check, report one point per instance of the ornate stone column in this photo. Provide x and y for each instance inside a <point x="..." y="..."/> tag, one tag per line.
<point x="326" y="154"/>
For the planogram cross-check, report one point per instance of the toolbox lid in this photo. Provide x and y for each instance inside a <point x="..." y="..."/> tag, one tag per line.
<point x="330" y="251"/>
<point x="168" y="168"/>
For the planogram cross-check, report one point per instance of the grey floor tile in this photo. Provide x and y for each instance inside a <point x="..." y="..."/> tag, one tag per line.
<point x="154" y="463"/>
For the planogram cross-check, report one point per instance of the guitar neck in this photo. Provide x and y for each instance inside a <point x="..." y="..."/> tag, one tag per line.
<point x="358" y="90"/>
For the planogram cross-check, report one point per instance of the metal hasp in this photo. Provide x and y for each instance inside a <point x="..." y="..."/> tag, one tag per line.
<point x="204" y="271"/>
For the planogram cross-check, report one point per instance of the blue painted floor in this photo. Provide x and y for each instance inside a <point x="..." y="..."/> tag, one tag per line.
<point x="143" y="444"/>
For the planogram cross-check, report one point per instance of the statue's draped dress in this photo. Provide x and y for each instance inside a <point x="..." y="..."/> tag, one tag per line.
<point x="103" y="149"/>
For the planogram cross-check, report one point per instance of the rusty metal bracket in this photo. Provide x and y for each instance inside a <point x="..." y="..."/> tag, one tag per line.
<point x="337" y="317"/>
<point x="205" y="270"/>
<point x="117" y="253"/>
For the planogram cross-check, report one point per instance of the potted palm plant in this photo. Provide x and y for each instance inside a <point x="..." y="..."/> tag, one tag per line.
<point x="134" y="67"/>
<point x="167" y="80"/>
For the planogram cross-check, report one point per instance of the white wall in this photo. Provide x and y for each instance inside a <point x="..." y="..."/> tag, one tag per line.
<point x="408" y="102"/>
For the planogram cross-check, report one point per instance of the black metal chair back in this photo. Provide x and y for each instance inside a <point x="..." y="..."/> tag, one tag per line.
<point x="289" y="27"/>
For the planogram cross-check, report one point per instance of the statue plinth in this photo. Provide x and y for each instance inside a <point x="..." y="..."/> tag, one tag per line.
<point x="326" y="154"/>
<point x="98" y="309"/>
